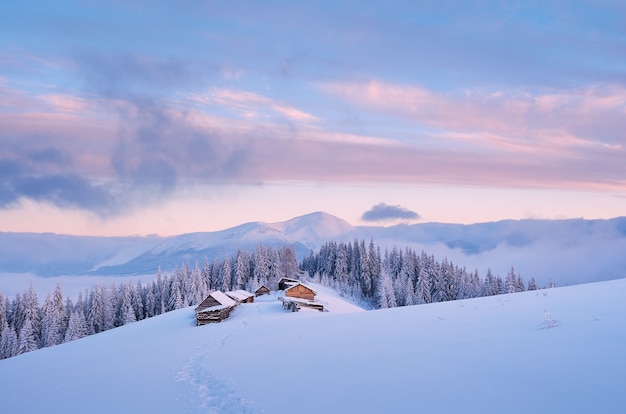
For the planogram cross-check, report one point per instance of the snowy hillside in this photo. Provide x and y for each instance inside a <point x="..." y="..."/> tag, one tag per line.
<point x="489" y="355"/>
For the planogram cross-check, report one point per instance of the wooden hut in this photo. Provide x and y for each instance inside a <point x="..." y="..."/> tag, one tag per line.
<point x="215" y="308"/>
<point x="241" y="296"/>
<point x="286" y="282"/>
<point x="262" y="290"/>
<point x="300" y="291"/>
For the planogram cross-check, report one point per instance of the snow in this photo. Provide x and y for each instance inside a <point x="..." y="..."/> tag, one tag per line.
<point x="239" y="295"/>
<point x="565" y="251"/>
<point x="222" y="298"/>
<point x="491" y="354"/>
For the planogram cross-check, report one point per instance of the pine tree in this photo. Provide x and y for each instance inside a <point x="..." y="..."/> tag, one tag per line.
<point x="26" y="307"/>
<point x="95" y="316"/>
<point x="260" y="273"/>
<point x="100" y="314"/>
<point x="386" y="295"/>
<point x="197" y="287"/>
<point x="440" y="291"/>
<point x="27" y="341"/>
<point x="242" y="269"/>
<point x="4" y="320"/>
<point x="511" y="282"/>
<point x="8" y="341"/>
<point x="137" y="301"/>
<point x="341" y="268"/>
<point x="226" y="275"/>
<point x="77" y="327"/>
<point x="54" y="319"/>
<point x="151" y="302"/>
<point x="175" y="300"/>
<point x="185" y="284"/>
<point x="375" y="268"/>
<point x="273" y="268"/>
<point x="126" y="312"/>
<point x="489" y="287"/>
<point x="423" y="292"/>
<point x="50" y="325"/>
<point x="205" y="277"/>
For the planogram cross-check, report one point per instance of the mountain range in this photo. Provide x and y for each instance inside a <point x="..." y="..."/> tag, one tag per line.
<point x="565" y="251"/>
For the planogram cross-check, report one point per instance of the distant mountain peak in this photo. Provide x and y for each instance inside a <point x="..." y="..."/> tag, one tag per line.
<point x="316" y="226"/>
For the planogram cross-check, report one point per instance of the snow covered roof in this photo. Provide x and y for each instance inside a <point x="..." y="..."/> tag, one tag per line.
<point x="219" y="297"/>
<point x="222" y="298"/>
<point x="239" y="294"/>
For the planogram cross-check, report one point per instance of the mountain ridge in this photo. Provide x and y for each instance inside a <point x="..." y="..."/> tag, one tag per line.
<point x="497" y="245"/>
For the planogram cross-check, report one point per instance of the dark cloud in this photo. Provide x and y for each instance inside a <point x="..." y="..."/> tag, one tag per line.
<point x="51" y="156"/>
<point x="158" y="149"/>
<point x="63" y="190"/>
<point x="384" y="212"/>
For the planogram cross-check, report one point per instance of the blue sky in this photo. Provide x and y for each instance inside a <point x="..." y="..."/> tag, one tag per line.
<point x="168" y="117"/>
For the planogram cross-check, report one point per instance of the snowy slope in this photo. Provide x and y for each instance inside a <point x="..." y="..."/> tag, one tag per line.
<point x="487" y="355"/>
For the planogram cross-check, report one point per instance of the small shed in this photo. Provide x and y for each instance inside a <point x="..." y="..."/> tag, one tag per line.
<point x="300" y="291"/>
<point x="241" y="296"/>
<point x="286" y="282"/>
<point x="215" y="308"/>
<point x="262" y="290"/>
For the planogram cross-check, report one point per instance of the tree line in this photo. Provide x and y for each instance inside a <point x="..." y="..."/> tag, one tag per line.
<point x="26" y="326"/>
<point x="356" y="270"/>
<point x="401" y="277"/>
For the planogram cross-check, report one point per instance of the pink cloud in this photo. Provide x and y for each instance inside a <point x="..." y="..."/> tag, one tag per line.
<point x="560" y="121"/>
<point x="251" y="105"/>
<point x="120" y="143"/>
<point x="66" y="103"/>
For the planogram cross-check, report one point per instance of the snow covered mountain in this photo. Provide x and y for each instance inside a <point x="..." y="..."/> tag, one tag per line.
<point x="555" y="350"/>
<point x="566" y="251"/>
<point x="55" y="255"/>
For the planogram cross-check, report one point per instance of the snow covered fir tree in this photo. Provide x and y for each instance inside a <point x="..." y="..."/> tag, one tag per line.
<point x="357" y="270"/>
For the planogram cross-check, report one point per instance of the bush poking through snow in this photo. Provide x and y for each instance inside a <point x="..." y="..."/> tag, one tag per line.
<point x="549" y="322"/>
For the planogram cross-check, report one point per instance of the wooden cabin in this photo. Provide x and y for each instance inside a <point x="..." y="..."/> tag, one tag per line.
<point x="241" y="296"/>
<point x="300" y="291"/>
<point x="286" y="282"/>
<point x="262" y="290"/>
<point x="215" y="308"/>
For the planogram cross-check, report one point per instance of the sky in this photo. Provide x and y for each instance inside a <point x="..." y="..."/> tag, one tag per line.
<point x="137" y="117"/>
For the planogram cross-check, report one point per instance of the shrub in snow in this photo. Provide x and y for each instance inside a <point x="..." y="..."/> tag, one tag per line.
<point x="549" y="322"/>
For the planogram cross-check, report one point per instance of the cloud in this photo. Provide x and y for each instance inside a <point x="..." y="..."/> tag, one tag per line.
<point x="112" y="157"/>
<point x="135" y="76"/>
<point x="251" y="105"/>
<point x="63" y="190"/>
<point x="124" y="142"/>
<point x="575" y="120"/>
<point x="384" y="212"/>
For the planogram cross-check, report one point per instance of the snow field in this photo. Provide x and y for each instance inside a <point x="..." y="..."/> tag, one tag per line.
<point x="489" y="354"/>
